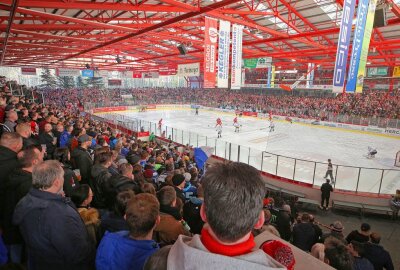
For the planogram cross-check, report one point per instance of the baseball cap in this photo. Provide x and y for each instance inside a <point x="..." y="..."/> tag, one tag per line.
<point x="84" y="138"/>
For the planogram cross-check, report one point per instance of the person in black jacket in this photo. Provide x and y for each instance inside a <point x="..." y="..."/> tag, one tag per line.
<point x="326" y="190"/>
<point x="18" y="185"/>
<point x="54" y="233"/>
<point x="304" y="233"/>
<point x="82" y="160"/>
<point x="10" y="145"/>
<point x="47" y="138"/>
<point x="101" y="180"/>
<point x="284" y="222"/>
<point x="377" y="255"/>
<point x="71" y="181"/>
<point x="191" y="211"/>
<point x="124" y="181"/>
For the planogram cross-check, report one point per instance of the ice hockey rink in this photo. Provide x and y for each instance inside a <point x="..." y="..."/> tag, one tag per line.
<point x="310" y="145"/>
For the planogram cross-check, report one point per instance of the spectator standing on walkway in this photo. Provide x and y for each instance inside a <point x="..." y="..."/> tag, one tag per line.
<point x="304" y="233"/>
<point x="326" y="190"/>
<point x="329" y="171"/>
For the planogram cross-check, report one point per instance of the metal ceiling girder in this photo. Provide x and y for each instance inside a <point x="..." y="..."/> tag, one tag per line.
<point x="160" y="25"/>
<point x="83" y="5"/>
<point x="9" y="26"/>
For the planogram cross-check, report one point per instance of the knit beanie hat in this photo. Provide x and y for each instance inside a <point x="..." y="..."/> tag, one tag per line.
<point x="177" y="179"/>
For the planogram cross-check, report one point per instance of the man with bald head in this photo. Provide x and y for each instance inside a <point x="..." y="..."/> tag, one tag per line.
<point x="24" y="129"/>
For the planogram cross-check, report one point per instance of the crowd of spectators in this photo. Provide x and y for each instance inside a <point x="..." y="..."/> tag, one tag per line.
<point x="77" y="194"/>
<point x="369" y="104"/>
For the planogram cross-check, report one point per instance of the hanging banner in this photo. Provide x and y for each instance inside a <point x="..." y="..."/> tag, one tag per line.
<point x="357" y="45"/>
<point x="272" y="76"/>
<point x="189" y="70"/>
<point x="269" y="77"/>
<point x="87" y="73"/>
<point x="236" y="70"/>
<point x="68" y="72"/>
<point x="396" y="71"/>
<point x="210" y="50"/>
<point x="28" y="71"/>
<point x="343" y="46"/>
<point x="223" y="54"/>
<point x="137" y="75"/>
<point x="310" y="75"/>
<point x="262" y="62"/>
<point x="365" y="45"/>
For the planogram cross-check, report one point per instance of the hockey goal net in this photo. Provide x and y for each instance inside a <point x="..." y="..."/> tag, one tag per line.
<point x="397" y="160"/>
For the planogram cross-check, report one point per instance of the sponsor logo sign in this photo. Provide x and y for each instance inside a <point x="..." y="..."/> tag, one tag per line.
<point x="87" y="73"/>
<point x="68" y="72"/>
<point x="343" y="46"/>
<point x="236" y="70"/>
<point x="365" y="45"/>
<point x="189" y="70"/>
<point x="223" y="54"/>
<point x="210" y="50"/>
<point x="28" y="71"/>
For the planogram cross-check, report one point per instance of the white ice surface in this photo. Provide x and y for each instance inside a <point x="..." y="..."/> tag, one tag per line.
<point x="300" y="141"/>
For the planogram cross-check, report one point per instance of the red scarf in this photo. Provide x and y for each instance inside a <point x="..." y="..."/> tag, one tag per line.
<point x="228" y="250"/>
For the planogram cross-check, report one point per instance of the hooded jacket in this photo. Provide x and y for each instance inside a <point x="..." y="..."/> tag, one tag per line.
<point x="117" y="251"/>
<point x="190" y="253"/>
<point x="54" y="233"/>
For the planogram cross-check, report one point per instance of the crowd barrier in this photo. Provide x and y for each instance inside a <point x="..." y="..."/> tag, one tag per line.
<point x="346" y="178"/>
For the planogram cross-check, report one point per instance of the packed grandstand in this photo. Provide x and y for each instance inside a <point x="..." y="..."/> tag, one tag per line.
<point x="124" y="203"/>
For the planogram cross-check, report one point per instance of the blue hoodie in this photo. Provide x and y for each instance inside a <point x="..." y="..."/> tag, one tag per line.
<point x="119" y="252"/>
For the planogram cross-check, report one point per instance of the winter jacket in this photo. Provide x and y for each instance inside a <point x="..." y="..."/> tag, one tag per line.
<point x="120" y="183"/>
<point x="356" y="236"/>
<point x="82" y="160"/>
<point x="190" y="253"/>
<point x="18" y="185"/>
<point x="303" y="236"/>
<point x="48" y="140"/>
<point x="378" y="256"/>
<point x="8" y="162"/>
<point x="117" y="251"/>
<point x="113" y="223"/>
<point x="100" y="181"/>
<point x="283" y="224"/>
<point x="168" y="230"/>
<point x="191" y="214"/>
<point x="29" y="141"/>
<point x="92" y="222"/>
<point x="54" y="233"/>
<point x="64" y="139"/>
<point x="361" y="263"/>
<point x="70" y="180"/>
<point x="326" y="190"/>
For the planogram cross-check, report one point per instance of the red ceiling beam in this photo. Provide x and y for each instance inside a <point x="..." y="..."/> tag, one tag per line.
<point x="84" y="5"/>
<point x="10" y="23"/>
<point x="157" y="26"/>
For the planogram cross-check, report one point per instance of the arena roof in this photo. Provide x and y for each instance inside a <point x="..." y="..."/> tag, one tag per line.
<point x="145" y="33"/>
